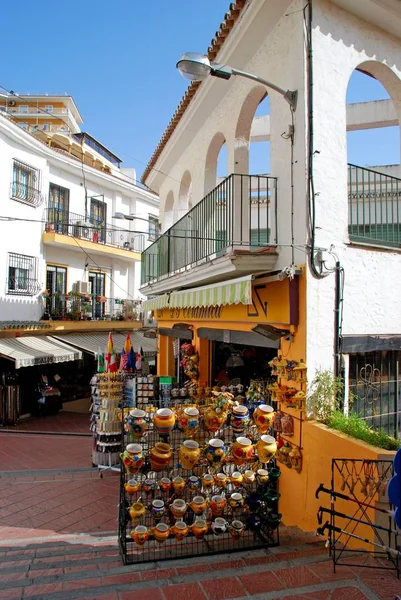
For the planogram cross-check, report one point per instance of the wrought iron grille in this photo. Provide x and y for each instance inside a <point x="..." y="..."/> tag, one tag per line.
<point x="25" y="186"/>
<point x="374" y="204"/>
<point x="238" y="214"/>
<point x="22" y="275"/>
<point x="375" y="382"/>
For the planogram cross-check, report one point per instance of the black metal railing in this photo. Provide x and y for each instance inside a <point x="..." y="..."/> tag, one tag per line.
<point x="78" y="307"/>
<point x="374" y="205"/>
<point x="26" y="193"/>
<point x="22" y="286"/>
<point x="91" y="229"/>
<point x="238" y="214"/>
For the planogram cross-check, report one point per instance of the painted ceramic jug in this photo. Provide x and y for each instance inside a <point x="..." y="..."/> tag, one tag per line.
<point x="236" y="529"/>
<point x="217" y="505"/>
<point x="164" y="421"/>
<point x="242" y="451"/>
<point x="140" y="535"/>
<point x="137" y="423"/>
<point x="161" y="532"/>
<point x="132" y="458"/>
<point x="132" y="486"/>
<point x="263" y="417"/>
<point x="199" y="528"/>
<point x="214" y="419"/>
<point x="136" y="511"/>
<point x="219" y="525"/>
<point x="157" y="509"/>
<point x="160" y="456"/>
<point x="178" y="508"/>
<point x="266" y="448"/>
<point x="180" y="530"/>
<point x="189" y="421"/>
<point x="198" y="504"/>
<point x="239" y="418"/>
<point x="215" y="451"/>
<point x="189" y="454"/>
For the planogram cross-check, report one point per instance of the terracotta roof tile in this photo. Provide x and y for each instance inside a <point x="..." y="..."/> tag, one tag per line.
<point x="230" y="18"/>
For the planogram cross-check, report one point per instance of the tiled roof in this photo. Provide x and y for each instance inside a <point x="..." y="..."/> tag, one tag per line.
<point x="23" y="325"/>
<point x="230" y="18"/>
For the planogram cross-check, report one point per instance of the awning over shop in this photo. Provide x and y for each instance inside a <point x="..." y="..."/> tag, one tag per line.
<point x="182" y="334"/>
<point x="236" y="291"/>
<point x="351" y="344"/>
<point x="245" y="338"/>
<point x="92" y="342"/>
<point x="30" y="351"/>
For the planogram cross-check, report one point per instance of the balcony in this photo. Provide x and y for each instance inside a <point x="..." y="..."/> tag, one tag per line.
<point x="80" y="307"/>
<point x="63" y="228"/>
<point x="374" y="205"/>
<point x="231" y="232"/>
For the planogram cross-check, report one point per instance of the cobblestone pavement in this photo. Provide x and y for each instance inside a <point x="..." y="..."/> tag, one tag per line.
<point x="58" y="523"/>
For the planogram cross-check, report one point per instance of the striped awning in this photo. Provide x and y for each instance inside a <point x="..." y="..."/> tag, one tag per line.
<point x="41" y="350"/>
<point x="92" y="342"/>
<point x="236" y="291"/>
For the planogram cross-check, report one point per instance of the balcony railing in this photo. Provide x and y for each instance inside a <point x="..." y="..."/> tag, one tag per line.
<point x="22" y="286"/>
<point x="374" y="204"/>
<point x="237" y="215"/>
<point x="92" y="229"/>
<point x="26" y="193"/>
<point x="78" y="307"/>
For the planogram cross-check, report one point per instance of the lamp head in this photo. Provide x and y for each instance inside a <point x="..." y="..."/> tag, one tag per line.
<point x="194" y="66"/>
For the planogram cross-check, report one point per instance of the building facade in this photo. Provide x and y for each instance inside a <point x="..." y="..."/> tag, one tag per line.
<point x="316" y="242"/>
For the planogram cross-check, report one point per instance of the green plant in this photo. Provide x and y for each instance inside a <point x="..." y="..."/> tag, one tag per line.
<point x="356" y="427"/>
<point x="323" y="395"/>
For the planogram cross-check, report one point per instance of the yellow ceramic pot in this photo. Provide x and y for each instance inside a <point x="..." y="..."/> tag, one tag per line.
<point x="236" y="479"/>
<point x="161" y="532"/>
<point x="236" y="500"/>
<point x="199" y="528"/>
<point x="189" y="454"/>
<point x="221" y="480"/>
<point x="140" y="535"/>
<point x="262" y="475"/>
<point x="215" y="452"/>
<point x="207" y="481"/>
<point x="136" y="510"/>
<point x="249" y="477"/>
<point x="178" y="508"/>
<point x="180" y="530"/>
<point x="266" y="448"/>
<point x="236" y="529"/>
<point x="214" y="419"/>
<point x="217" y="505"/>
<point x="263" y="417"/>
<point x="132" y="486"/>
<point x="189" y="421"/>
<point x="242" y="451"/>
<point x="165" y="484"/>
<point x="178" y="484"/>
<point x="198" y="504"/>
<point x="160" y="456"/>
<point x="164" y="420"/>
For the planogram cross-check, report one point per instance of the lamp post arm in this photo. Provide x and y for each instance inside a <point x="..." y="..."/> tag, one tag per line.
<point x="225" y="72"/>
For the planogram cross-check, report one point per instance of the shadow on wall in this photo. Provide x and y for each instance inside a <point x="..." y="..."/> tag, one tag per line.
<point x="21" y="309"/>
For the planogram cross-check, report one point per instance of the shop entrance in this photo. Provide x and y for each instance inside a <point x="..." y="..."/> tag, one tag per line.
<point x="234" y="364"/>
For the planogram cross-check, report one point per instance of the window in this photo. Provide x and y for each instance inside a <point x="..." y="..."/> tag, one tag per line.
<point x="48" y="108"/>
<point x="23" y="125"/>
<point x="58" y="213"/>
<point x="46" y="126"/>
<point x="98" y="213"/>
<point x="56" y="285"/>
<point x="153" y="227"/>
<point x="22" y="274"/>
<point x="23" y="108"/>
<point x="26" y="183"/>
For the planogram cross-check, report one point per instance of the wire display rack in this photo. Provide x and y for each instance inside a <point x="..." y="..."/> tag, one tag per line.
<point x="217" y="521"/>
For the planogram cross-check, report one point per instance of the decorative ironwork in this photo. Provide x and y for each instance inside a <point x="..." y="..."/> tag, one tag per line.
<point x="22" y="275"/>
<point x="25" y="186"/>
<point x="369" y="383"/>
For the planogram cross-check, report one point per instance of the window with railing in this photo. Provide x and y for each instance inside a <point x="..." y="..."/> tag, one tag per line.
<point x="98" y="215"/>
<point x="25" y="186"/>
<point x="22" y="275"/>
<point x="59" y="202"/>
<point x="375" y="386"/>
<point x="153" y="227"/>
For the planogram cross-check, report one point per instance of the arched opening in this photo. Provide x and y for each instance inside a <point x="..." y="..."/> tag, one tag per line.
<point x="259" y="147"/>
<point x="185" y="196"/>
<point x="215" y="156"/>
<point x="373" y="153"/>
<point x="253" y="132"/>
<point x="168" y="216"/>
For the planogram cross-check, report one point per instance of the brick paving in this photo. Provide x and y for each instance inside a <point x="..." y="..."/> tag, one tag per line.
<point x="62" y="423"/>
<point x="58" y="523"/>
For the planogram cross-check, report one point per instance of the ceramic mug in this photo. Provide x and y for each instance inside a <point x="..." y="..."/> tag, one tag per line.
<point x="140" y="535"/>
<point x="178" y="508"/>
<point x="221" y="480"/>
<point x="198" y="504"/>
<point x="217" y="505"/>
<point x="165" y="484"/>
<point x="161" y="532"/>
<point x="178" y="484"/>
<point x="194" y="483"/>
<point x="219" y="525"/>
<point x="199" y="528"/>
<point x="236" y="479"/>
<point x="207" y="481"/>
<point x="180" y="530"/>
<point x="157" y="509"/>
<point x="236" y="529"/>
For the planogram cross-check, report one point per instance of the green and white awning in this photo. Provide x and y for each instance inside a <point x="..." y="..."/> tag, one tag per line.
<point x="236" y="291"/>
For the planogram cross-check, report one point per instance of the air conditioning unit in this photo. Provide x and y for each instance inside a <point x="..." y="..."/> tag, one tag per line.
<point x="148" y="319"/>
<point x="82" y="230"/>
<point x="83" y="287"/>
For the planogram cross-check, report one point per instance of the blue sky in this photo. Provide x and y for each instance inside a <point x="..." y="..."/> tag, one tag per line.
<point x="117" y="59"/>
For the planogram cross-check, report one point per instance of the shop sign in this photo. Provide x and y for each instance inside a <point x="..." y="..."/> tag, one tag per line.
<point x="193" y="312"/>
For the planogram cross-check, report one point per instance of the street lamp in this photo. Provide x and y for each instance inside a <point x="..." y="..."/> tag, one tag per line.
<point x="120" y="215"/>
<point x="196" y="67"/>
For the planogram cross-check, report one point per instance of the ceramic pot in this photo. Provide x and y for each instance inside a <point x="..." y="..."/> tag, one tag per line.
<point x="199" y="528"/>
<point x="165" y="484"/>
<point x="221" y="480"/>
<point x="194" y="483"/>
<point x="219" y="526"/>
<point x="236" y="529"/>
<point x="164" y="421"/>
<point x="149" y="485"/>
<point x="140" y="535"/>
<point x="273" y="519"/>
<point x="161" y="532"/>
<point x="207" y="481"/>
<point x="271" y="497"/>
<point x="236" y="500"/>
<point x="254" y="522"/>
<point x="137" y="423"/>
<point x="274" y="473"/>
<point x="215" y="452"/>
<point x="189" y="454"/>
<point x="157" y="509"/>
<point x="189" y="421"/>
<point x="136" y="511"/>
<point x="253" y="501"/>
<point x="214" y="419"/>
<point x="217" y="505"/>
<point x="240" y="388"/>
<point x="287" y="425"/>
<point x="160" y="456"/>
<point x="239" y="418"/>
<point x="132" y="486"/>
<point x="178" y="484"/>
<point x="178" y="508"/>
<point x="266" y="448"/>
<point x="241" y="451"/>
<point x="180" y="530"/>
<point x="132" y="458"/>
<point x="249" y="477"/>
<point x="263" y="417"/>
<point x="198" y="504"/>
<point x="262" y="476"/>
<point x="236" y="479"/>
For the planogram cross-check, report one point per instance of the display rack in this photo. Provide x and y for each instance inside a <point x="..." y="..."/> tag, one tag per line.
<point x="251" y="519"/>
